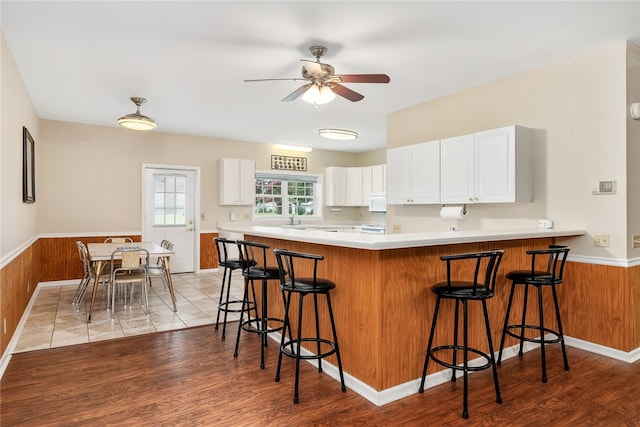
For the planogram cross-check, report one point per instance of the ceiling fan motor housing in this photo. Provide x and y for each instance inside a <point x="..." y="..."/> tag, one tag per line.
<point x="327" y="72"/>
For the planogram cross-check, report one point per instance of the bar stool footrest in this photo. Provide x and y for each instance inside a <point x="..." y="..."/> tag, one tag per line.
<point x="460" y="367"/>
<point x="291" y="353"/>
<point x="226" y="306"/>
<point x="555" y="340"/>
<point x="247" y="325"/>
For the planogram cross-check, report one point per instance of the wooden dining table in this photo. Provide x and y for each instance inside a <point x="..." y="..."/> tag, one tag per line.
<point x="100" y="255"/>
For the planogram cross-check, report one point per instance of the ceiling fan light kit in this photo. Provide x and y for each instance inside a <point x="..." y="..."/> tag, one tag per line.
<point x="318" y="95"/>
<point x="338" y="134"/>
<point x="137" y="121"/>
<point x="322" y="84"/>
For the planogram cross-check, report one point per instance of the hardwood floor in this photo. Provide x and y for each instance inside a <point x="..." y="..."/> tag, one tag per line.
<point x="190" y="378"/>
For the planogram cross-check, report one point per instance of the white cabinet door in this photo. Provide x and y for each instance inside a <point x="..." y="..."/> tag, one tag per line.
<point x="236" y="182"/>
<point x="366" y="189"/>
<point x="457" y="162"/>
<point x="399" y="175"/>
<point x="413" y="174"/>
<point x="378" y="178"/>
<point x="353" y="186"/>
<point x="425" y="173"/>
<point x="335" y="179"/>
<point x="495" y="168"/>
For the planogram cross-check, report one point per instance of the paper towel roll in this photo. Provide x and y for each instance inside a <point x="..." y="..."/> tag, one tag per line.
<point x="453" y="212"/>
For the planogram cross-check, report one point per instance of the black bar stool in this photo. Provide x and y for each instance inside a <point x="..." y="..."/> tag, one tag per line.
<point x="486" y="264"/>
<point x="225" y="304"/>
<point x="555" y="258"/>
<point x="303" y="286"/>
<point x="253" y="259"/>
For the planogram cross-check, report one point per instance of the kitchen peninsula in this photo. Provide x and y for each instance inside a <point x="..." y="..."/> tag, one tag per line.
<point x="382" y="302"/>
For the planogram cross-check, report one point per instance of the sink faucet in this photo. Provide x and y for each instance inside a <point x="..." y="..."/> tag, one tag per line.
<point x="292" y="220"/>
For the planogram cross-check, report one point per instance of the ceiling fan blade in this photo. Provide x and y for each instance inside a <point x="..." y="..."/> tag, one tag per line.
<point x="346" y="92"/>
<point x="297" y="93"/>
<point x="269" y="80"/>
<point x="363" y="78"/>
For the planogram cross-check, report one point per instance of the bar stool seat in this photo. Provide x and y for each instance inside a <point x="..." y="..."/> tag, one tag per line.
<point x="253" y="260"/>
<point x="555" y="256"/>
<point x="485" y="263"/>
<point x="291" y="283"/>
<point x="225" y="303"/>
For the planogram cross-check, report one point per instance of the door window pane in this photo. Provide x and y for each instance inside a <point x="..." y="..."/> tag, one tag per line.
<point x="169" y="200"/>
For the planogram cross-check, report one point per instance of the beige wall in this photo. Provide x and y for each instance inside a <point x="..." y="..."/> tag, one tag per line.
<point x="17" y="219"/>
<point x="577" y="107"/>
<point x="92" y="174"/>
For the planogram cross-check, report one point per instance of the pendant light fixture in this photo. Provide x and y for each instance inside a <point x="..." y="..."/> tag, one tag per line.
<point x="137" y="121"/>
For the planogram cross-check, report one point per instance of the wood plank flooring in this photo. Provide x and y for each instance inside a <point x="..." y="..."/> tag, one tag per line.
<point x="190" y="378"/>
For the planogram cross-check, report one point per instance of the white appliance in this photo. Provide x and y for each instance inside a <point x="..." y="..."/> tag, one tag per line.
<point x="378" y="202"/>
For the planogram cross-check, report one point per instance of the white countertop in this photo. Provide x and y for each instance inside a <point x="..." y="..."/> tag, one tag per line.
<point x="397" y="240"/>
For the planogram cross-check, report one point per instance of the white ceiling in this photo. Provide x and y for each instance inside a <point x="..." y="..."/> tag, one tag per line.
<point x="81" y="61"/>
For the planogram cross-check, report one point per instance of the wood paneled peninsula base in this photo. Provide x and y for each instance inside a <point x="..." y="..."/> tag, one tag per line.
<point x="383" y="303"/>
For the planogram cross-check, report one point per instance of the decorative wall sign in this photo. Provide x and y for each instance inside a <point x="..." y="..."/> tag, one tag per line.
<point x="289" y="163"/>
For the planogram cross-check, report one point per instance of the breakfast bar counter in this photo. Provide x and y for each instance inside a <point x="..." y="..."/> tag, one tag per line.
<point x="383" y="303"/>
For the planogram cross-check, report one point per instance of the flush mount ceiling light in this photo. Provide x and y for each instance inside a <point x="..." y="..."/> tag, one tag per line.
<point x="137" y="121"/>
<point x="318" y="94"/>
<point x="293" y="148"/>
<point x="339" y="134"/>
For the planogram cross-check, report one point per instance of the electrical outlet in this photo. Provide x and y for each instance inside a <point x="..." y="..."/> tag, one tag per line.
<point x="397" y="228"/>
<point x="601" y="240"/>
<point x="635" y="241"/>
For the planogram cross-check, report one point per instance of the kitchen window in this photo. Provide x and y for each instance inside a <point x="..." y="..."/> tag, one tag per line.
<point x="285" y="195"/>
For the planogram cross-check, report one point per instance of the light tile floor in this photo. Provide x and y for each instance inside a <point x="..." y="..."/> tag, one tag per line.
<point x="54" y="321"/>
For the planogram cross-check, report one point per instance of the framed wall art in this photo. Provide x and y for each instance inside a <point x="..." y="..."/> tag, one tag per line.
<point x="28" y="167"/>
<point x="289" y="163"/>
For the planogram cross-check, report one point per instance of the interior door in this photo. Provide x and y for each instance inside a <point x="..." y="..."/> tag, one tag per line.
<point x="170" y="204"/>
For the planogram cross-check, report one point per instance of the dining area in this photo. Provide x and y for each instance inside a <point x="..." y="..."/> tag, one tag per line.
<point x="122" y="261"/>
<point x="55" y="321"/>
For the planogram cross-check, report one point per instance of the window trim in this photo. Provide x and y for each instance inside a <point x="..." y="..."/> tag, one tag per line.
<point x="289" y="176"/>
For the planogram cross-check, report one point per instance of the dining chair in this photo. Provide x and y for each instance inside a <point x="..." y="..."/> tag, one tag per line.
<point x="131" y="270"/>
<point x="118" y="240"/>
<point x="157" y="269"/>
<point x="88" y="275"/>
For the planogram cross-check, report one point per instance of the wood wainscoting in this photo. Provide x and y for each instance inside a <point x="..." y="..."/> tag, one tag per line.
<point x="18" y="280"/>
<point x="208" y="255"/>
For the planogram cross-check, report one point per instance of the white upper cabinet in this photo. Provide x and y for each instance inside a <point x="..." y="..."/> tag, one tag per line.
<point x="335" y="181"/>
<point x="236" y="181"/>
<point x="413" y="174"/>
<point x="457" y="162"/>
<point x="493" y="166"/>
<point x="353" y="186"/>
<point x="378" y="178"/>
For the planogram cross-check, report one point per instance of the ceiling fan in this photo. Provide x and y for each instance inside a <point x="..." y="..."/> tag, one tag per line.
<point x="323" y="81"/>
